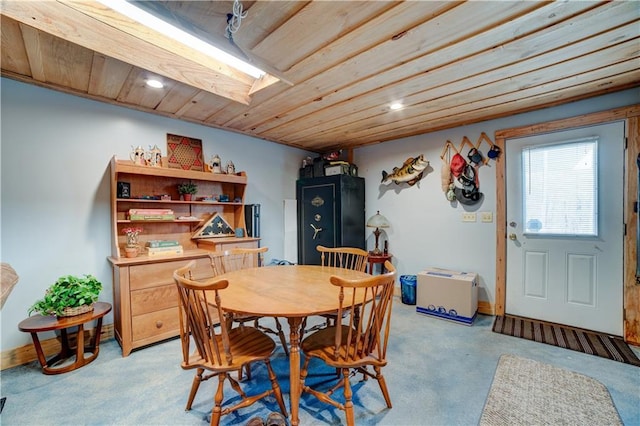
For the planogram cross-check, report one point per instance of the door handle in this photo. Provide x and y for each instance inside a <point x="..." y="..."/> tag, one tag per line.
<point x="315" y="230"/>
<point x="513" y="237"/>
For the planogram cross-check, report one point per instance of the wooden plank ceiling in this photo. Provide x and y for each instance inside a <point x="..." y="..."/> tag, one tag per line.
<point x="340" y="64"/>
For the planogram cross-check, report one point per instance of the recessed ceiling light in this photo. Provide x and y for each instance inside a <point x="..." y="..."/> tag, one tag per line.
<point x="396" y="105"/>
<point x="156" y="84"/>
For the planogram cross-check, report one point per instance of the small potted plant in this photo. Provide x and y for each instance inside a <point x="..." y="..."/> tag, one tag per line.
<point x="69" y="295"/>
<point x="187" y="190"/>
<point x="132" y="248"/>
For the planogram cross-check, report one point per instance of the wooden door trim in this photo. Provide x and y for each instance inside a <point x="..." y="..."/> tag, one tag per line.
<point x="631" y="116"/>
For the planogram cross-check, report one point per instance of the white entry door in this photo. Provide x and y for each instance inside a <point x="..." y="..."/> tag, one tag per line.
<point x="565" y="227"/>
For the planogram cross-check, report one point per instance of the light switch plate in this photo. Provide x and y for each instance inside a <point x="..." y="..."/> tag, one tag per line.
<point x="486" y="217"/>
<point x="468" y="217"/>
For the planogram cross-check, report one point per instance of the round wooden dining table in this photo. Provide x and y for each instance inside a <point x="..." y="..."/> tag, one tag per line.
<point x="289" y="291"/>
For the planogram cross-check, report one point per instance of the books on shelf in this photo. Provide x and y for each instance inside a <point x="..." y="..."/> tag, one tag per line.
<point x="151" y="214"/>
<point x="163" y="243"/>
<point x="164" y="251"/>
<point x="165" y="248"/>
<point x="150" y="211"/>
<point x="152" y="217"/>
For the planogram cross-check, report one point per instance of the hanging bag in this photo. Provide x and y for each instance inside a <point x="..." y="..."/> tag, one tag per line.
<point x="445" y="171"/>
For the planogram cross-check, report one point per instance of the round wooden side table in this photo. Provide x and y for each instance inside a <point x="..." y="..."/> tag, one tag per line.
<point x="39" y="323"/>
<point x="374" y="259"/>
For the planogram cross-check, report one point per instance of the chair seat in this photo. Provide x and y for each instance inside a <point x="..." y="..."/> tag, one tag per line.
<point x="255" y="319"/>
<point x="247" y="345"/>
<point x="242" y="258"/>
<point x="321" y="345"/>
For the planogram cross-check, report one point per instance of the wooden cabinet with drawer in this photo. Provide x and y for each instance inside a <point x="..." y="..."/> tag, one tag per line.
<point x="146" y="299"/>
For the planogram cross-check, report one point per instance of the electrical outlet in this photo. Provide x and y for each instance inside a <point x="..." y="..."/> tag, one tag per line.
<point x="486" y="217"/>
<point x="468" y="217"/>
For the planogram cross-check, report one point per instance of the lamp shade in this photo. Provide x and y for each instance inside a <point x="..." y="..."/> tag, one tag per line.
<point x="378" y="221"/>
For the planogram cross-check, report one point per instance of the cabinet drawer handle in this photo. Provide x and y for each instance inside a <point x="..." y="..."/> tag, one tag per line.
<point x="159" y="324"/>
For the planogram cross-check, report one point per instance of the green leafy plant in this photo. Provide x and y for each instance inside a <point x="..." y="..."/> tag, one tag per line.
<point x="68" y="292"/>
<point x="187" y="188"/>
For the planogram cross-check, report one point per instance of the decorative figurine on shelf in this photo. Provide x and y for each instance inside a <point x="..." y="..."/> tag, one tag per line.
<point x="137" y="156"/>
<point x="231" y="168"/>
<point x="154" y="156"/>
<point x="215" y="164"/>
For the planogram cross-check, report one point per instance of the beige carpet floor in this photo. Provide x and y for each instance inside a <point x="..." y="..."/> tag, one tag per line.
<point x="528" y="392"/>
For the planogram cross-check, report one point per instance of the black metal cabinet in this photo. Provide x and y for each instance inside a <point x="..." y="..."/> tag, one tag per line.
<point x="252" y="220"/>
<point x="330" y="213"/>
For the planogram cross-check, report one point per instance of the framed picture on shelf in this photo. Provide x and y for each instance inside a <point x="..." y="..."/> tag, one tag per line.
<point x="214" y="227"/>
<point x="184" y="153"/>
<point x="124" y="190"/>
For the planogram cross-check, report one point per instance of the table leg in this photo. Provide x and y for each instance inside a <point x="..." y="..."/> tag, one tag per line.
<point x="95" y="347"/>
<point x="66" y="352"/>
<point x="39" y="351"/>
<point x="294" y="367"/>
<point x="65" y="347"/>
<point x="80" y="346"/>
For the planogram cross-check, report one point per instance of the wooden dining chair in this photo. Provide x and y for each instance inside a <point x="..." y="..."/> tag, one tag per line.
<point x="340" y="257"/>
<point x="343" y="257"/>
<point x="221" y="353"/>
<point x="352" y="345"/>
<point x="243" y="258"/>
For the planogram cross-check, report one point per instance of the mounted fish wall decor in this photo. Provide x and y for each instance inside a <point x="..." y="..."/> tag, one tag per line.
<point x="410" y="171"/>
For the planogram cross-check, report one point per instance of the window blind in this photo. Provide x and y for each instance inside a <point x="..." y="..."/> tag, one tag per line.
<point x="560" y="188"/>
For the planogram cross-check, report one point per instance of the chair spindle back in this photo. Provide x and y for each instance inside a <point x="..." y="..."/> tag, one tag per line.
<point x="236" y="259"/>
<point x="196" y="317"/>
<point x="368" y="333"/>
<point x="343" y="257"/>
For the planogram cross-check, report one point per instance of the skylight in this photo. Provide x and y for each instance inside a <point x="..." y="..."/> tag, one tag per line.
<point x="168" y="30"/>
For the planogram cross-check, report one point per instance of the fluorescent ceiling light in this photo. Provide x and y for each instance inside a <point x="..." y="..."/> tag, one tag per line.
<point x="181" y="36"/>
<point x="396" y="106"/>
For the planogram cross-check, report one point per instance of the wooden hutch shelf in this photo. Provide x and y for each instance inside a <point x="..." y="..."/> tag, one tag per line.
<point x="145" y="298"/>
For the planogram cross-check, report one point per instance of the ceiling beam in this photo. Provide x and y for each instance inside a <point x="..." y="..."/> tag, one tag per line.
<point x="96" y="27"/>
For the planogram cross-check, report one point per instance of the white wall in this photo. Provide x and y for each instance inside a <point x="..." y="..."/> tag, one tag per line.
<point x="55" y="153"/>
<point x="426" y="229"/>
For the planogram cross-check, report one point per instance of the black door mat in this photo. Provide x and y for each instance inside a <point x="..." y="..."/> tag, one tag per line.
<point x="589" y="342"/>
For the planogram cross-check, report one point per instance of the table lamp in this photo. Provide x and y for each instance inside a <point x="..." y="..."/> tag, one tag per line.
<point x="377" y="221"/>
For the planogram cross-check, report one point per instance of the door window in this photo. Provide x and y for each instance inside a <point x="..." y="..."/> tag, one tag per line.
<point x="560" y="187"/>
